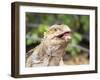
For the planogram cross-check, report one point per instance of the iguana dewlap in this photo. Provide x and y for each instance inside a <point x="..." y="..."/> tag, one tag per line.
<point x="51" y="49"/>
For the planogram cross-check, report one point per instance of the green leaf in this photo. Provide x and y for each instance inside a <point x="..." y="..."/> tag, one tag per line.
<point x="42" y="28"/>
<point x="77" y="36"/>
<point x="29" y="41"/>
<point x="85" y="21"/>
<point x="30" y="17"/>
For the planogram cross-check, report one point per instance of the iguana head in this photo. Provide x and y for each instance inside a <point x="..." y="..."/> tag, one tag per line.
<point x="58" y="32"/>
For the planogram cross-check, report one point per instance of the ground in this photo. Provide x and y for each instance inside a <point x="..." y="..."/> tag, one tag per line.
<point x="76" y="60"/>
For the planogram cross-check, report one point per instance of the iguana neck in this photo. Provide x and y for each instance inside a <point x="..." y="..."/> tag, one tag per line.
<point x="51" y="53"/>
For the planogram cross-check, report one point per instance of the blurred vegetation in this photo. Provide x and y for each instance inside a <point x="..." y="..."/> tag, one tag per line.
<point x="37" y="24"/>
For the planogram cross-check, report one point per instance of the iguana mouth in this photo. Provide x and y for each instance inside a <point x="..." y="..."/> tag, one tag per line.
<point x="65" y="34"/>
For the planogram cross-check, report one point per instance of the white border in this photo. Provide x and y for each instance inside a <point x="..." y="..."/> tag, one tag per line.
<point x="69" y="68"/>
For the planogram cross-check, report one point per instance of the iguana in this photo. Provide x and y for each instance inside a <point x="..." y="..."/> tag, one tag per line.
<point x="52" y="47"/>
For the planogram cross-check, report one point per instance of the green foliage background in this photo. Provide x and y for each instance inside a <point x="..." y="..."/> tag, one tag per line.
<point x="37" y="24"/>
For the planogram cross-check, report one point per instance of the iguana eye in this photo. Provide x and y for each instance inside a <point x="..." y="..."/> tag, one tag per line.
<point x="55" y="29"/>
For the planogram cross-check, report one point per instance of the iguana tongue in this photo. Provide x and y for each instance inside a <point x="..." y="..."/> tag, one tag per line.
<point x="66" y="35"/>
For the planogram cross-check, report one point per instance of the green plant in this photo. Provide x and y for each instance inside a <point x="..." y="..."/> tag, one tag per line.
<point x="76" y="38"/>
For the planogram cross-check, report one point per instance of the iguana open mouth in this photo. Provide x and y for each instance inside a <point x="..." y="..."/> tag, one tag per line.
<point x="67" y="33"/>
